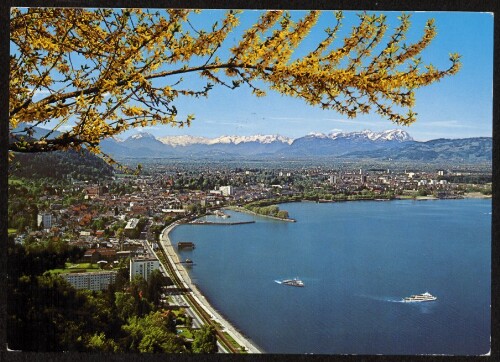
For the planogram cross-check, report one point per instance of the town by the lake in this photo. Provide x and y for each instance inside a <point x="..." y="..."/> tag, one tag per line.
<point x="113" y="228"/>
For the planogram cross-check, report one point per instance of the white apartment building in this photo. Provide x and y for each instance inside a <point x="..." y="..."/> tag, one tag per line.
<point x="130" y="227"/>
<point x="92" y="280"/>
<point x="227" y="190"/>
<point x="132" y="223"/>
<point x="143" y="266"/>
<point x="44" y="219"/>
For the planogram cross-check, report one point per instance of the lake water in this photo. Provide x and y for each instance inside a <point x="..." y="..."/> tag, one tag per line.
<point x="357" y="260"/>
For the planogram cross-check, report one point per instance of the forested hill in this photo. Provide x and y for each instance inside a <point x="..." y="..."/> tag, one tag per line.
<point x="60" y="164"/>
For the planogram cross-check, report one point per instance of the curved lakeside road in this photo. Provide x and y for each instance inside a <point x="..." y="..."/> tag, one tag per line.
<point x="197" y="295"/>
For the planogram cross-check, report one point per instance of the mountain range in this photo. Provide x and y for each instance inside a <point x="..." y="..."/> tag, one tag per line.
<point x="387" y="145"/>
<point x="390" y="145"/>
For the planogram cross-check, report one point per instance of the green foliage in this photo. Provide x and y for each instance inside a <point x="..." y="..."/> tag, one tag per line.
<point x="205" y="340"/>
<point x="196" y="209"/>
<point x="153" y="290"/>
<point x="483" y="189"/>
<point x="157" y="228"/>
<point x="138" y="289"/>
<point x="282" y="214"/>
<point x="487" y="191"/>
<point x="35" y="259"/>
<point x="151" y="334"/>
<point x="98" y="224"/>
<point x="267" y="208"/>
<point x="422" y="192"/>
<point x="99" y="342"/>
<point x="45" y="313"/>
<point x="63" y="164"/>
<point x="125" y="305"/>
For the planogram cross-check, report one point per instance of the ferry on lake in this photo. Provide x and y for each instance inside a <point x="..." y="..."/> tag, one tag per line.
<point x="424" y="297"/>
<point x="295" y="282"/>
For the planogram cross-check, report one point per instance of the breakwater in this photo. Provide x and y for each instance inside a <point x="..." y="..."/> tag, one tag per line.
<point x="203" y="222"/>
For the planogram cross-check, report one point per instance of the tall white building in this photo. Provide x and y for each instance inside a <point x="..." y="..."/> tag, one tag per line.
<point x="44" y="219"/>
<point x="227" y="190"/>
<point x="91" y="281"/>
<point x="143" y="266"/>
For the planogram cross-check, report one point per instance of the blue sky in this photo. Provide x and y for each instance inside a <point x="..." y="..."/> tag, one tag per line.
<point x="456" y="107"/>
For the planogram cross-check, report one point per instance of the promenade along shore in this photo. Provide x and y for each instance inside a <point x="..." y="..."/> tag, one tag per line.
<point x="183" y="275"/>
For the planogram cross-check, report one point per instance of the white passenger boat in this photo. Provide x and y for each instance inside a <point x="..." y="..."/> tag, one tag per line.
<point x="293" y="282"/>
<point x="424" y="297"/>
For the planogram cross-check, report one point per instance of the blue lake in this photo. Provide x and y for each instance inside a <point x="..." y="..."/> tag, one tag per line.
<point x="357" y="260"/>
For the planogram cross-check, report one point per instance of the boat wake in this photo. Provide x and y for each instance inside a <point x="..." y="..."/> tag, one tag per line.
<point x="392" y="300"/>
<point x="382" y="299"/>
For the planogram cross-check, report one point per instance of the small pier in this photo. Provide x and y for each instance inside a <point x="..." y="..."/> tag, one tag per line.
<point x="185" y="245"/>
<point x="202" y="222"/>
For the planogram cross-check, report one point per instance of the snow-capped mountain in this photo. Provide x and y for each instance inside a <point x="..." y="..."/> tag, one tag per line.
<point x="362" y="144"/>
<point x="142" y="135"/>
<point x="340" y="143"/>
<point x="180" y="141"/>
<point x="390" y="135"/>
<point x="387" y="145"/>
<point x="337" y="143"/>
<point x="263" y="139"/>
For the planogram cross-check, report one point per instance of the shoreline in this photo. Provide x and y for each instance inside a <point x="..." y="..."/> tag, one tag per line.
<point x="183" y="275"/>
<point x="470" y="195"/>
<point x="477" y="195"/>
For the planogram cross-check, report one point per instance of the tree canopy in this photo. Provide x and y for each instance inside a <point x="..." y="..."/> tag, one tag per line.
<point x="99" y="72"/>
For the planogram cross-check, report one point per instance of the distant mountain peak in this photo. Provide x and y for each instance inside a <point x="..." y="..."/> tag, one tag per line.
<point x="317" y="135"/>
<point x="180" y="141"/>
<point x="397" y="135"/>
<point x="183" y="140"/>
<point x="140" y="135"/>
